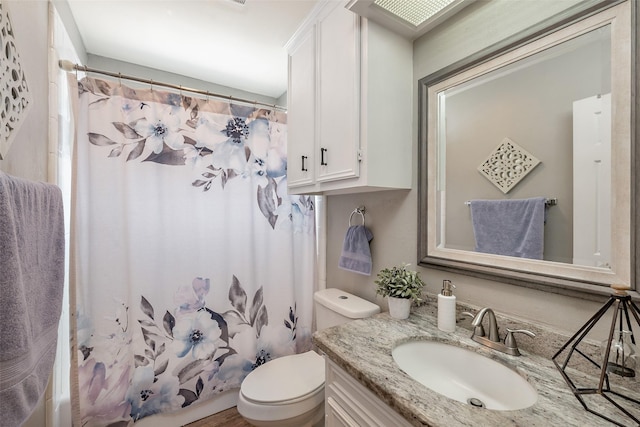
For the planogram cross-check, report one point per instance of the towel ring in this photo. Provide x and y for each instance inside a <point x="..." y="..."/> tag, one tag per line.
<point x="360" y="210"/>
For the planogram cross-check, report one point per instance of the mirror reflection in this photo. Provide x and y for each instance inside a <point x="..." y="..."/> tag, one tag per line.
<point x="546" y="117"/>
<point x="538" y="127"/>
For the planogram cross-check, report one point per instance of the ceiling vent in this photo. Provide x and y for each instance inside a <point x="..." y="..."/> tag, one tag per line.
<point x="410" y="18"/>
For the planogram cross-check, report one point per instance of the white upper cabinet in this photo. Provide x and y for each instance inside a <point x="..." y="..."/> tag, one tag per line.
<point x="338" y="94"/>
<point x="349" y="105"/>
<point x="302" y="94"/>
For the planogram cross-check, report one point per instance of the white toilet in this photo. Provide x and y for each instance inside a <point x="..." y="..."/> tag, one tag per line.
<point x="289" y="391"/>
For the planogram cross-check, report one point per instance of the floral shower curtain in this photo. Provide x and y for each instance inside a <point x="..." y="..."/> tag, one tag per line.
<point x="192" y="264"/>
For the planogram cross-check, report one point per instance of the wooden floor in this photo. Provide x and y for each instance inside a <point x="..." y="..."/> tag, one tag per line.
<point x="228" y="418"/>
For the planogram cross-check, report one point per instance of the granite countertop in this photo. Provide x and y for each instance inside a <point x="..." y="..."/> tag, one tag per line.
<point x="363" y="349"/>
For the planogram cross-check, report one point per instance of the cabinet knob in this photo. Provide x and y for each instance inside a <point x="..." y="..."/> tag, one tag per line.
<point x="322" y="161"/>
<point x="304" y="169"/>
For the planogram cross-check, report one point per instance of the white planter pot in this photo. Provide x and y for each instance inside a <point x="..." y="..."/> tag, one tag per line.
<point x="399" y="307"/>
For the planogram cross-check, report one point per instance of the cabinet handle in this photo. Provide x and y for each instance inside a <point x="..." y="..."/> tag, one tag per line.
<point x="303" y="168"/>
<point x="322" y="151"/>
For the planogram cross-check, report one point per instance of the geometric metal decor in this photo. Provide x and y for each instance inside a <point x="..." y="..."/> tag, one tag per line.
<point x="610" y="388"/>
<point x="16" y="98"/>
<point x="507" y="165"/>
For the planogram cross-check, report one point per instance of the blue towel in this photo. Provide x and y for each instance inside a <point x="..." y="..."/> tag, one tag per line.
<point x="509" y="227"/>
<point x="356" y="254"/>
<point x="31" y="286"/>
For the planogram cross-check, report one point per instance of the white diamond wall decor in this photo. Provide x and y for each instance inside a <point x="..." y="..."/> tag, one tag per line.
<point x="507" y="165"/>
<point x="16" y="98"/>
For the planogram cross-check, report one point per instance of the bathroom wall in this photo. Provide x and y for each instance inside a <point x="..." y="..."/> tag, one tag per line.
<point x="27" y="157"/>
<point x="392" y="215"/>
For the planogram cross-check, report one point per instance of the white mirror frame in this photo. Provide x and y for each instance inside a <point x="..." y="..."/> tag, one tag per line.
<point x="550" y="275"/>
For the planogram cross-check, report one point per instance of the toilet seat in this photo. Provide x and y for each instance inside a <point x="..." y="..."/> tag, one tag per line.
<point x="282" y="411"/>
<point x="283" y="388"/>
<point x="286" y="379"/>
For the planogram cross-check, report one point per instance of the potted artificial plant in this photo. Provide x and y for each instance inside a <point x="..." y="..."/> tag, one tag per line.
<point x="401" y="287"/>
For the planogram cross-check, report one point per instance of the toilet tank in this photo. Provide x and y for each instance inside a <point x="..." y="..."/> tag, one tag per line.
<point x="335" y="307"/>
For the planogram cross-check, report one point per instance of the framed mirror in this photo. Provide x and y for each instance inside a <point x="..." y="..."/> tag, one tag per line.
<point x="546" y="121"/>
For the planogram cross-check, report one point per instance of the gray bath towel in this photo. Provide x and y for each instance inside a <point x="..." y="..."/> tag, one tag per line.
<point x="31" y="286"/>
<point x="509" y="227"/>
<point x="356" y="254"/>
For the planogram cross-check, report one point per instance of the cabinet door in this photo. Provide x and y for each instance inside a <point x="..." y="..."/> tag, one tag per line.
<point x="339" y="95"/>
<point x="337" y="416"/>
<point x="301" y="111"/>
<point x="348" y="403"/>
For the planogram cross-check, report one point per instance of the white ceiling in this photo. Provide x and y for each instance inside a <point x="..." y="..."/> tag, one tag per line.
<point x="218" y="41"/>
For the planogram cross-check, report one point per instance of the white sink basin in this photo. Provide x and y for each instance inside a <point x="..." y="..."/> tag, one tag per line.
<point x="464" y="375"/>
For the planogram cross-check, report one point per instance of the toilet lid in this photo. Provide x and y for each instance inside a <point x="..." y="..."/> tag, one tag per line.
<point x="286" y="378"/>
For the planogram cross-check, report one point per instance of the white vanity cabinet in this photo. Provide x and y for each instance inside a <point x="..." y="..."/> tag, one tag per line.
<point x="349" y="404"/>
<point x="349" y="105"/>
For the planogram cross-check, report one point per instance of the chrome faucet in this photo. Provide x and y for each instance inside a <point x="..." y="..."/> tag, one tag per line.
<point x="509" y="346"/>
<point x="493" y="324"/>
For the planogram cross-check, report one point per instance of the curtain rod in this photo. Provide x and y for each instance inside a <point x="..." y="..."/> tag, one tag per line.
<point x="70" y="66"/>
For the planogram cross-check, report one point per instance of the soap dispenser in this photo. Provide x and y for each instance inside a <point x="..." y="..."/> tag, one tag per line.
<point x="447" y="307"/>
